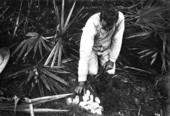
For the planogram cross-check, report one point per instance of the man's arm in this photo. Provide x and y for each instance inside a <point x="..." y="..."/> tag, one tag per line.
<point x="86" y="45"/>
<point x="118" y="37"/>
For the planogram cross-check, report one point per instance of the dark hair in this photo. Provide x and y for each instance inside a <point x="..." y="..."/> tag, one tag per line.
<point x="110" y="15"/>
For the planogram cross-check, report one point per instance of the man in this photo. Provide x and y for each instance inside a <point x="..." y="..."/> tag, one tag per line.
<point x="101" y="40"/>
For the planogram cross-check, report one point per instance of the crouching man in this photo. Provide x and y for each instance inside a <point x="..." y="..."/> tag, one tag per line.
<point x="101" y="42"/>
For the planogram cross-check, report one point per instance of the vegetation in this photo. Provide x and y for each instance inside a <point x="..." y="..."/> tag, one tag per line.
<point x="43" y="37"/>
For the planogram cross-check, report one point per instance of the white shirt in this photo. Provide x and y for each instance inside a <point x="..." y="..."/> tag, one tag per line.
<point x="94" y="35"/>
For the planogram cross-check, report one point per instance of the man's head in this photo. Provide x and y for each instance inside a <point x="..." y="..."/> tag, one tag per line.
<point x="108" y="17"/>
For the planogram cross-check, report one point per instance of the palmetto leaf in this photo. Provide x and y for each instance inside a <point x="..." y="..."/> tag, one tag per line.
<point x="164" y="38"/>
<point x="45" y="81"/>
<point x="40" y="87"/>
<point x="62" y="71"/>
<point x="61" y="29"/>
<point x="67" y="25"/>
<point x="163" y="62"/>
<point x="62" y="15"/>
<point x="154" y="57"/>
<point x="32" y="34"/>
<point x="55" y="54"/>
<point x="23" y="47"/>
<point x="51" y="80"/>
<point x="44" y="99"/>
<point x="52" y="53"/>
<point x="51" y="86"/>
<point x="21" y="72"/>
<point x="148" y="53"/>
<point x="33" y="43"/>
<point x="69" y="16"/>
<point x="44" y="77"/>
<point x="140" y="34"/>
<point x="139" y="38"/>
<point x="60" y="55"/>
<point x="56" y="11"/>
<point x="150" y="37"/>
<point x="53" y="76"/>
<point x="16" y="100"/>
<point x="9" y="105"/>
<point x="152" y="16"/>
<point x="57" y="85"/>
<point x="149" y="16"/>
<point x="167" y="55"/>
<point x="31" y="74"/>
<point x="4" y="11"/>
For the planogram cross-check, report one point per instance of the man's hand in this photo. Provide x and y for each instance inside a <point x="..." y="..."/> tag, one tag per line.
<point x="109" y="65"/>
<point x="97" y="48"/>
<point x="80" y="88"/>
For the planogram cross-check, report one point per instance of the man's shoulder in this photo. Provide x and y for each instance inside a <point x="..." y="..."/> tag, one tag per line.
<point x="94" y="19"/>
<point x="96" y="15"/>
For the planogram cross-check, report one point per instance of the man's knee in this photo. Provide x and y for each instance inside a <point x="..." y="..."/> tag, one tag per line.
<point x="93" y="71"/>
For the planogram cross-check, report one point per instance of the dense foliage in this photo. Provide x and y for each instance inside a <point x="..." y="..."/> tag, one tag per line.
<point x="43" y="37"/>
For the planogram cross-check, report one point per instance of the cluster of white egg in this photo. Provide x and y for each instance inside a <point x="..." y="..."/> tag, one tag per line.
<point x="89" y="103"/>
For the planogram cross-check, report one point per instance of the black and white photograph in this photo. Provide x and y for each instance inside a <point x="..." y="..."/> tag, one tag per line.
<point x="84" y="57"/>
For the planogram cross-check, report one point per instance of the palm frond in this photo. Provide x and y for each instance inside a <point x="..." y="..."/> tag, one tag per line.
<point x="69" y="16"/>
<point x="53" y="76"/>
<point x="4" y="11"/>
<point x="56" y="12"/>
<point x="150" y="37"/>
<point x="32" y="34"/>
<point x="148" y="53"/>
<point x="31" y="44"/>
<point x="60" y="54"/>
<point x="54" y="52"/>
<point x="74" y="20"/>
<point x="16" y="100"/>
<point x="18" y="48"/>
<point x="62" y="15"/>
<point x="149" y="16"/>
<point x="20" y="72"/>
<point x="9" y="104"/>
<point x="152" y="16"/>
<point x="44" y="77"/>
<point x="57" y="86"/>
<point x="154" y="57"/>
<point x="30" y="76"/>
<point x="45" y="81"/>
<point x="139" y="34"/>
<point x="41" y="88"/>
<point x="61" y="29"/>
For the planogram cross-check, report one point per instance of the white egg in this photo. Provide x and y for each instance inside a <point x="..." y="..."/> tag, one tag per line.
<point x="96" y="105"/>
<point x="100" y="107"/>
<point x="87" y="93"/>
<point x="91" y="97"/>
<point x="97" y="100"/>
<point x="93" y="106"/>
<point x="93" y="111"/>
<point x="69" y="101"/>
<point x="86" y="107"/>
<point x="98" y="111"/>
<point x="82" y="104"/>
<point x="85" y="98"/>
<point x="76" y="100"/>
